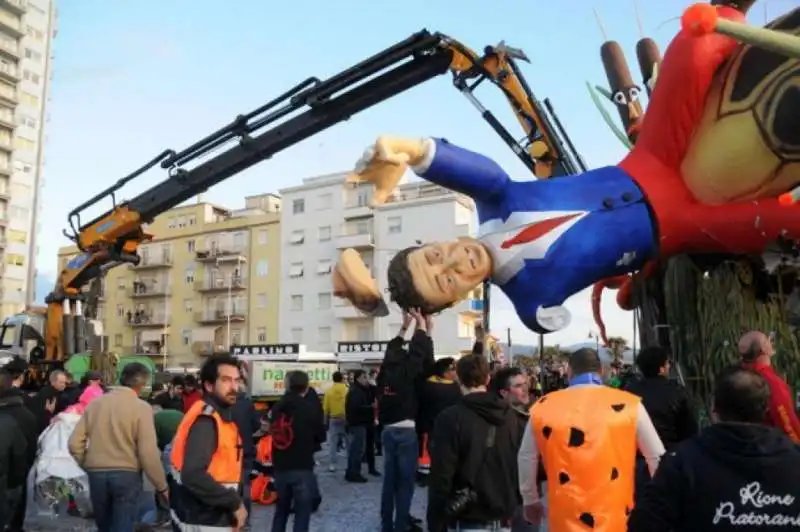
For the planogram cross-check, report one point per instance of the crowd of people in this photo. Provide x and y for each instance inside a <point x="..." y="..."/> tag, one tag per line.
<point x="493" y="453"/>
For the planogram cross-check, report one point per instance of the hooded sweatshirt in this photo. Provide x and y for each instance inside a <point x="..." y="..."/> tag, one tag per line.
<point x="463" y="455"/>
<point x="294" y="427"/>
<point x="730" y="477"/>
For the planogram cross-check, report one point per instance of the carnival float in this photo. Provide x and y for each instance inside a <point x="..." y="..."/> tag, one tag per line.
<point x="697" y="227"/>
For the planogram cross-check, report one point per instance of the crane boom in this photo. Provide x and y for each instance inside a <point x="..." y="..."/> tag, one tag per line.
<point x="305" y="110"/>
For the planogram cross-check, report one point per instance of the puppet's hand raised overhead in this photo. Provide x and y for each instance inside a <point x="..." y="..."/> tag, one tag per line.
<point x="353" y="281"/>
<point x="384" y="163"/>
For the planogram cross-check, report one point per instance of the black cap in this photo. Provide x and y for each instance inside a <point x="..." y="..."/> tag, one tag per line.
<point x="93" y="376"/>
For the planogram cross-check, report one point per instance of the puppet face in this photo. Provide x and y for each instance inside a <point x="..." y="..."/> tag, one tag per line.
<point x="624" y="92"/>
<point x="443" y="272"/>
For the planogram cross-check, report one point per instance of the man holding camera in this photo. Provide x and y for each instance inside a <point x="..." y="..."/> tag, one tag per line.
<point x="473" y="481"/>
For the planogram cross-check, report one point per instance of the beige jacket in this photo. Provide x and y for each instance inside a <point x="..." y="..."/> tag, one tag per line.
<point x="117" y="432"/>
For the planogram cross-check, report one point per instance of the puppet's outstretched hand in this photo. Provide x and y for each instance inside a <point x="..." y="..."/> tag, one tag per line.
<point x="384" y="163"/>
<point x="353" y="281"/>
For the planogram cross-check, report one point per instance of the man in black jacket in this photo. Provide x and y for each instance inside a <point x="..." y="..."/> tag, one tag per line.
<point x="667" y="402"/>
<point x="737" y="475"/>
<point x="398" y="382"/>
<point x="295" y="436"/>
<point x="439" y="391"/>
<point x="360" y="417"/>
<point x="18" y="432"/>
<point x="473" y="480"/>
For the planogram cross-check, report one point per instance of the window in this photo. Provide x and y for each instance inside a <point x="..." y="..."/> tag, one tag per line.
<point x="324" y="300"/>
<point x="325" y="201"/>
<point x="189" y="278"/>
<point x="34" y="33"/>
<point x="24" y="120"/>
<point x="239" y="240"/>
<point x="120" y="311"/>
<point x="117" y="340"/>
<point x="298" y="206"/>
<point x="171" y="223"/>
<point x="394" y="224"/>
<point x="297" y="335"/>
<point x="15" y="259"/>
<point x="191" y="220"/>
<point x="262" y="268"/>
<point x="296" y="302"/>
<point x="324" y="267"/>
<point x="38" y="9"/>
<point x="23" y="167"/>
<point x="261" y="335"/>
<point x="188" y="305"/>
<point x="324" y="233"/>
<point x="296" y="270"/>
<point x="297" y="237"/>
<point x="465" y="328"/>
<point x="190" y="246"/>
<point x="324" y="335"/>
<point x="236" y="337"/>
<point x="15" y="235"/>
<point x="186" y="336"/>
<point x="362" y="228"/>
<point x="33" y="55"/>
<point x="261" y="300"/>
<point x="21" y="143"/>
<point x="181" y="222"/>
<point x="18" y="212"/>
<point x="33" y="77"/>
<point x="364" y="333"/>
<point x="263" y="237"/>
<point x="29" y="99"/>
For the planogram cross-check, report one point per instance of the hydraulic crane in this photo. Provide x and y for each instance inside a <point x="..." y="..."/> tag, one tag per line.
<point x="301" y="112"/>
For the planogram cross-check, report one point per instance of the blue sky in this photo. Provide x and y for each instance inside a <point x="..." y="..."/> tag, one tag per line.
<point x="134" y="78"/>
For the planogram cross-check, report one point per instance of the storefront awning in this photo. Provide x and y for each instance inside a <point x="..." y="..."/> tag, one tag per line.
<point x="148" y="337"/>
<point x="204" y="334"/>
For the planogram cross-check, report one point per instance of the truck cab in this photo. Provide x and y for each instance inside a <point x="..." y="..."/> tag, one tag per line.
<point x="21" y="335"/>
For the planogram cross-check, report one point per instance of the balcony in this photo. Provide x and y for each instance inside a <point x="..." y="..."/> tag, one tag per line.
<point x="5" y="169"/>
<point x="9" y="49"/>
<point x="221" y="254"/>
<point x="357" y="209"/>
<point x="149" y="349"/>
<point x="149" y="288"/>
<point x="218" y="317"/>
<point x="148" y="262"/>
<point x="9" y="73"/>
<point x="18" y="7"/>
<point x="4" y="219"/>
<point x="5" y="194"/>
<point x="355" y="241"/>
<point x="11" y="25"/>
<point x="221" y="284"/>
<point x="145" y="319"/>
<point x="3" y="242"/>
<point x="207" y="349"/>
<point x="6" y="145"/>
<point x="472" y="307"/>
<point x="344" y="310"/>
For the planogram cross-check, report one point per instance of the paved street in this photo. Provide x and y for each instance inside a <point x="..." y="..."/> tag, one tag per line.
<point x="345" y="507"/>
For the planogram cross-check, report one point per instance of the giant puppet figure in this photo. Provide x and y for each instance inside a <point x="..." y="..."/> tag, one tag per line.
<point x="697" y="181"/>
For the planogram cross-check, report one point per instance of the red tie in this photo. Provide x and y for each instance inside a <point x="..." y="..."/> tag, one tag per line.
<point x="533" y="231"/>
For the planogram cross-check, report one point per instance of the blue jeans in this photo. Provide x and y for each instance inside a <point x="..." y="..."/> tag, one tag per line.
<point x="400" y="449"/>
<point x="356" y="442"/>
<point x="115" y="499"/>
<point x="336" y="432"/>
<point x="295" y="489"/>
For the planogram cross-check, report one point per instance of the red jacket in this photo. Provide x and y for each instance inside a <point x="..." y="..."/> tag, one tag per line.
<point x="190" y="398"/>
<point x="781" y="406"/>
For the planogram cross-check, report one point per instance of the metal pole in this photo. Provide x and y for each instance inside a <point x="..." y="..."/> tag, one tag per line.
<point x="230" y="308"/>
<point x="166" y="328"/>
<point x="486" y="330"/>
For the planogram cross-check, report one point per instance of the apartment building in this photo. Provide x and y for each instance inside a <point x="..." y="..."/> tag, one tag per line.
<point x="207" y="281"/>
<point x="324" y="216"/>
<point x="27" y="28"/>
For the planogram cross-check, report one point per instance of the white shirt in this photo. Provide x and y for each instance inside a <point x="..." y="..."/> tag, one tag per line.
<point x="647" y="440"/>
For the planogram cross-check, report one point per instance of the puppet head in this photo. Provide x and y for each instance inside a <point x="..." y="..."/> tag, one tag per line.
<point x="624" y="92"/>
<point x="435" y="276"/>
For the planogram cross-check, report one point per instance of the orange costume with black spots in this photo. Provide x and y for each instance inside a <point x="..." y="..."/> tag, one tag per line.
<point x="586" y="438"/>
